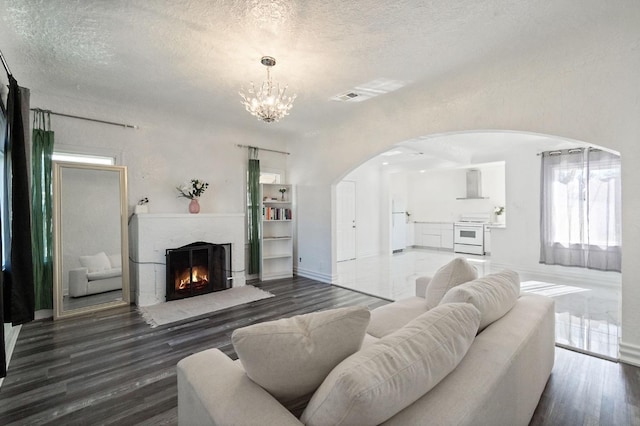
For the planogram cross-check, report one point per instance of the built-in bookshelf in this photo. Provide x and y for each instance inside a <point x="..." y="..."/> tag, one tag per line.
<point x="276" y="236"/>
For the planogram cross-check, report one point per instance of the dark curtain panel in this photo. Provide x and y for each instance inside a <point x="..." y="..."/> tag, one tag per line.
<point x="42" y="207"/>
<point x="253" y="189"/>
<point x="18" y="272"/>
<point x="3" y="354"/>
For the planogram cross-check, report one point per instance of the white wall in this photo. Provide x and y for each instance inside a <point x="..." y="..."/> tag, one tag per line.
<point x="429" y="197"/>
<point x="165" y="152"/>
<point x="583" y="89"/>
<point x="433" y="194"/>
<point x="316" y="214"/>
<point x="369" y="217"/>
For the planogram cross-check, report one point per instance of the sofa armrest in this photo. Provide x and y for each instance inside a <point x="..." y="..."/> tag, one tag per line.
<point x="214" y="390"/>
<point x="421" y="286"/>
<point x="78" y="282"/>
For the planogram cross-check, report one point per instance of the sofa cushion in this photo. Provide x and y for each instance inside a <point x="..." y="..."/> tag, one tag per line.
<point x="494" y="295"/>
<point x="389" y="318"/>
<point x="290" y="357"/>
<point x="454" y="273"/>
<point x="383" y="378"/>
<point x="96" y="263"/>
<point x="421" y="286"/>
<point x="368" y="340"/>
<point x="104" y="274"/>
<point x="115" y="260"/>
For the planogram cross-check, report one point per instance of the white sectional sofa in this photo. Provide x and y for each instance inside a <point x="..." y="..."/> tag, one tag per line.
<point x="99" y="273"/>
<point x="464" y="351"/>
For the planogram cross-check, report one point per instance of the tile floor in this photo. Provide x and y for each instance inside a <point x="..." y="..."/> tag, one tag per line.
<point x="587" y="316"/>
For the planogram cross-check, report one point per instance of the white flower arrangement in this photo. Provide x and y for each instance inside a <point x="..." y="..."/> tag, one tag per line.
<point x="498" y="210"/>
<point x="194" y="189"/>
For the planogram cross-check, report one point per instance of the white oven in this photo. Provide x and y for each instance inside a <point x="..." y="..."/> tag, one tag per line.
<point x="468" y="235"/>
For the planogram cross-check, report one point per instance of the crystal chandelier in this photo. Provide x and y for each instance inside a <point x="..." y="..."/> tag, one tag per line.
<point x="267" y="102"/>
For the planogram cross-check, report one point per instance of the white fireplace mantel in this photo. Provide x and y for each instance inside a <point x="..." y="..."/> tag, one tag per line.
<point x="151" y="234"/>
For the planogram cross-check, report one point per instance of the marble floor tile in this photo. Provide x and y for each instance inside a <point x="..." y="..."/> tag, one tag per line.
<point x="587" y="316"/>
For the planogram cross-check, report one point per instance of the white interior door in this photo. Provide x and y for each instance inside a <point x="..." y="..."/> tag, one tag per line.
<point x="346" y="217"/>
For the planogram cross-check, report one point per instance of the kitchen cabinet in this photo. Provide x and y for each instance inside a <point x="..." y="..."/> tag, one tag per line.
<point x="431" y="235"/>
<point x="411" y="234"/>
<point x="446" y="236"/>
<point x="417" y="234"/>
<point x="438" y="235"/>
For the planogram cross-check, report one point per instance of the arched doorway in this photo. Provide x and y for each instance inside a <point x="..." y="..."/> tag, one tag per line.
<point x="587" y="301"/>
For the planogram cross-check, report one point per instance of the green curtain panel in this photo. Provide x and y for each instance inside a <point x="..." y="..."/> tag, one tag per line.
<point x="41" y="210"/>
<point x="253" y="184"/>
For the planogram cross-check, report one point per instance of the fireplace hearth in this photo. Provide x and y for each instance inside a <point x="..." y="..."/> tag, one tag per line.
<point x="197" y="268"/>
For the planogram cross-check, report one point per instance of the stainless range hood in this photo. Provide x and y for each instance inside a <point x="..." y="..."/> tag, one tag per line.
<point x="474" y="186"/>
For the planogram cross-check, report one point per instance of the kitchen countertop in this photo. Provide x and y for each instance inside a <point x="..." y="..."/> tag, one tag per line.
<point x="488" y="225"/>
<point x="430" y="221"/>
<point x="497" y="226"/>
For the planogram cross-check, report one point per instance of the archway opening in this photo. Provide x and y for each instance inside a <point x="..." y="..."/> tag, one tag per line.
<point x="424" y="178"/>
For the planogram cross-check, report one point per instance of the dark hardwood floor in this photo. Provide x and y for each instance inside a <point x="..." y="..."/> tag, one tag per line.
<point x="112" y="368"/>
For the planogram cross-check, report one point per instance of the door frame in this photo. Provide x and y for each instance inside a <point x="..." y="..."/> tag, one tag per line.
<point x="339" y="210"/>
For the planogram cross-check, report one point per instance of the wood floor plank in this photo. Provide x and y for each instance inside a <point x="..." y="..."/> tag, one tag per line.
<point x="112" y="368"/>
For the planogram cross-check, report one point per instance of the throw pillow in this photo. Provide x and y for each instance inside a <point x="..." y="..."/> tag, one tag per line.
<point x="115" y="260"/>
<point x="493" y="295"/>
<point x="385" y="377"/>
<point x="392" y="317"/>
<point x="454" y="273"/>
<point x="291" y="357"/>
<point x="96" y="263"/>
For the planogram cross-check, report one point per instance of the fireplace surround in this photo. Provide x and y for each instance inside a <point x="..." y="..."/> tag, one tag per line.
<point x="197" y="268"/>
<point x="153" y="233"/>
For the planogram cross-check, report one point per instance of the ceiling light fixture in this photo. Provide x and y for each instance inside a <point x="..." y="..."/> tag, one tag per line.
<point x="268" y="103"/>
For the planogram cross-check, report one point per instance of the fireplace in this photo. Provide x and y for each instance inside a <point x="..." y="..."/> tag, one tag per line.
<point x="198" y="268"/>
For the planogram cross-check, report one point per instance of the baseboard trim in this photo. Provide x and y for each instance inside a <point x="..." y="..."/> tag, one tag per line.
<point x="306" y="273"/>
<point x="586" y="352"/>
<point x="629" y="354"/>
<point x="43" y="314"/>
<point x="367" y="254"/>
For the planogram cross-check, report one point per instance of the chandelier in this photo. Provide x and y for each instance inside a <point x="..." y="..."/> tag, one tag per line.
<point x="267" y="102"/>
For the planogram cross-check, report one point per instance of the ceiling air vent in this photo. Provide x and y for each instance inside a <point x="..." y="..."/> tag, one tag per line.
<point x="345" y="97"/>
<point x="369" y="90"/>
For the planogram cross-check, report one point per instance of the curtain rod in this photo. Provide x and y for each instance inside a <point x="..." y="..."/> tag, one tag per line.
<point x="263" y="149"/>
<point x="113" y="123"/>
<point x="570" y="150"/>
<point x="4" y="64"/>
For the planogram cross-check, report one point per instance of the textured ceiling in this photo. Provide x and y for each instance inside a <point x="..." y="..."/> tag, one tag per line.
<point x="192" y="56"/>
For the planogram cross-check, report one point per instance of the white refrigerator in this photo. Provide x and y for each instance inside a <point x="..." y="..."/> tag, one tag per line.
<point x="398" y="226"/>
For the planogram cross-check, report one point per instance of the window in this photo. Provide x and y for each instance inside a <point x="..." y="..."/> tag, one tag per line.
<point x="268" y="177"/>
<point x="581" y="209"/>
<point x="83" y="158"/>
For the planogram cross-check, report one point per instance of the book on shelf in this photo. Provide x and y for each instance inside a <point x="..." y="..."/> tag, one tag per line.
<point x="276" y="213"/>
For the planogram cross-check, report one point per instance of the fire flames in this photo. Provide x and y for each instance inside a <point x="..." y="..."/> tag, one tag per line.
<point x="197" y="277"/>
